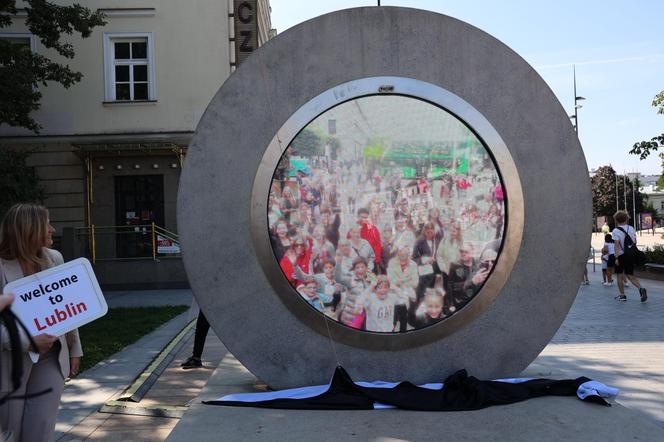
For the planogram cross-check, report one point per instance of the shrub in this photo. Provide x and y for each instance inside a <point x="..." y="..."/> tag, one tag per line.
<point x="655" y="254"/>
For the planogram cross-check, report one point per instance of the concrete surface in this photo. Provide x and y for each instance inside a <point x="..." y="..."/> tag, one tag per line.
<point x="621" y="344"/>
<point x="84" y="395"/>
<point x="317" y="56"/>
<point x="174" y="387"/>
<point x="542" y="419"/>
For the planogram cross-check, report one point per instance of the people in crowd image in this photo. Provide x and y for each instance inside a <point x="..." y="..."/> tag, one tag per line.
<point x="384" y="246"/>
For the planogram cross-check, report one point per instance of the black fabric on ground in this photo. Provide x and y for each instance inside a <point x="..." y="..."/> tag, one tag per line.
<point x="460" y="393"/>
<point x="343" y="394"/>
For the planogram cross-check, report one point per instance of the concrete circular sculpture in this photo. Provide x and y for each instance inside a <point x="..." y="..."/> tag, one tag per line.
<point x="383" y="105"/>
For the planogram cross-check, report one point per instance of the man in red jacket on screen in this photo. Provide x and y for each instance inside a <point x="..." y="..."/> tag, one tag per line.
<point x="371" y="234"/>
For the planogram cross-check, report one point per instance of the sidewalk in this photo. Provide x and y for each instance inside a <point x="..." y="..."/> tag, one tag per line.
<point x="621" y="344"/>
<point x="85" y="395"/>
<point x="618" y="343"/>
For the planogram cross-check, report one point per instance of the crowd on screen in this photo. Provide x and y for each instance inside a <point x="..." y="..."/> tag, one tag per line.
<point x="380" y="252"/>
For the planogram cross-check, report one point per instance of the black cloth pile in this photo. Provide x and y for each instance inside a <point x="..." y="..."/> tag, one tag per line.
<point x="460" y="392"/>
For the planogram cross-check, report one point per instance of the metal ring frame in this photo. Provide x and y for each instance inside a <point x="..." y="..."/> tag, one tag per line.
<point x="491" y="140"/>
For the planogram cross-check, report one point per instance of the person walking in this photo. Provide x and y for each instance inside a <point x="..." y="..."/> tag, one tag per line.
<point x="624" y="237"/>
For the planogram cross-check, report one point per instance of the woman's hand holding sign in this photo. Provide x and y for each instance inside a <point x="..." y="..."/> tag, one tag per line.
<point x="6" y="300"/>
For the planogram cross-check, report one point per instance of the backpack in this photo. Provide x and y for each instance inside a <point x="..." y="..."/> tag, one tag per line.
<point x="631" y="251"/>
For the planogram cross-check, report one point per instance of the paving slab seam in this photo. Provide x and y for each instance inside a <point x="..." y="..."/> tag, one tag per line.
<point x="84" y="396"/>
<point x="145" y="380"/>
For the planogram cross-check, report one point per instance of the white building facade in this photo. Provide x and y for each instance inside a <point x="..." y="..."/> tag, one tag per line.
<point x="112" y="146"/>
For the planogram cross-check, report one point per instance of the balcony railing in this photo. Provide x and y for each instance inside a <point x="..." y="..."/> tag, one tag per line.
<point x="142" y="241"/>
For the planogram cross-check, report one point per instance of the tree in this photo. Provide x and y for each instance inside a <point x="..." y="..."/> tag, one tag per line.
<point x="603" y="185"/>
<point x="18" y="181"/>
<point x="22" y="71"/>
<point x="645" y="148"/>
<point x="604" y="190"/>
<point x="308" y="143"/>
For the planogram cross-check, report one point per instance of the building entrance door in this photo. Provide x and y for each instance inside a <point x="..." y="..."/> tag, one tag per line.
<point x="139" y="201"/>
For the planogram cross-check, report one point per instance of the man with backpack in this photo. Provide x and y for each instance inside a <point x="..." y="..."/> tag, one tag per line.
<point x="627" y="255"/>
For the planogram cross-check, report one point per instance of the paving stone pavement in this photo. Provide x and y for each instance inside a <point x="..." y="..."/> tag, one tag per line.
<point x="618" y="343"/>
<point x="174" y="387"/>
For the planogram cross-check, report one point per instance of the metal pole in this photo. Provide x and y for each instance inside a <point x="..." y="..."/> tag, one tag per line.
<point x="576" y="114"/>
<point x="625" y="190"/>
<point x="634" y="199"/>
<point x="94" y="244"/>
<point x="154" y="243"/>
<point x="617" y="199"/>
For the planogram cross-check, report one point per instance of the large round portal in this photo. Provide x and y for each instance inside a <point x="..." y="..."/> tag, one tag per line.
<point x="365" y="133"/>
<point x="386" y="214"/>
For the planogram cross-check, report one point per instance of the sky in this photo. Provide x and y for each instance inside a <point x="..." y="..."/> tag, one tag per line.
<point x="617" y="47"/>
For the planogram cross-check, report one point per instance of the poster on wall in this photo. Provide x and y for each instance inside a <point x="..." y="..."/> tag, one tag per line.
<point x="646" y="221"/>
<point x="167" y="246"/>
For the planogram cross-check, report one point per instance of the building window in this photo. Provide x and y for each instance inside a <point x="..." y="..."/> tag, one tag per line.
<point x="129" y="66"/>
<point x="25" y="40"/>
<point x="662" y="205"/>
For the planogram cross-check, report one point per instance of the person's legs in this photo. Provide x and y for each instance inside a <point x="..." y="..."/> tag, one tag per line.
<point x="11" y="412"/>
<point x="629" y="273"/>
<point x="202" y="328"/>
<point x="621" y="282"/>
<point x="41" y="411"/>
<point x="634" y="280"/>
<point x="643" y="293"/>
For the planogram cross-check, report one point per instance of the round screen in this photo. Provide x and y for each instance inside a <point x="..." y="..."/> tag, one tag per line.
<point x="386" y="213"/>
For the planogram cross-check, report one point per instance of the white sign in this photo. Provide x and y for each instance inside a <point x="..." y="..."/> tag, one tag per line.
<point x="59" y="299"/>
<point x="167" y="246"/>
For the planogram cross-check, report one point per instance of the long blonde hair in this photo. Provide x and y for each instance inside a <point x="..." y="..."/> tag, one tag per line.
<point x="23" y="234"/>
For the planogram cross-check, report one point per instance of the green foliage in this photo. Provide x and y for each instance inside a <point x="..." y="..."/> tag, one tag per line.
<point x="309" y="142"/>
<point x="119" y="328"/>
<point x="603" y="185"/>
<point x="22" y="71"/>
<point x="18" y="181"/>
<point x="645" y="148"/>
<point x="658" y="102"/>
<point x="655" y="254"/>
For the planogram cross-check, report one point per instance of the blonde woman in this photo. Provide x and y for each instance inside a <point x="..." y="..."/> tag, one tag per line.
<point x="25" y="237"/>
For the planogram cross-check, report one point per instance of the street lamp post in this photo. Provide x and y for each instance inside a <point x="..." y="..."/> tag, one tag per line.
<point x="625" y="191"/>
<point x="634" y="177"/>
<point x="577" y="106"/>
<point x="617" y="198"/>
